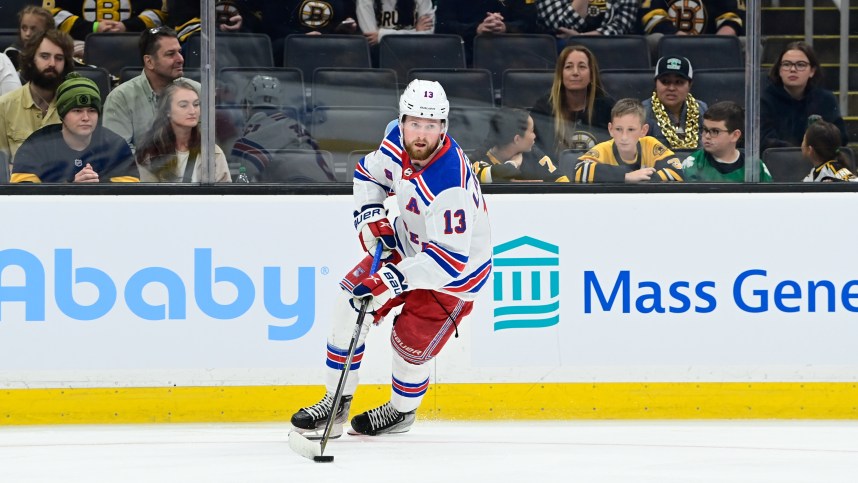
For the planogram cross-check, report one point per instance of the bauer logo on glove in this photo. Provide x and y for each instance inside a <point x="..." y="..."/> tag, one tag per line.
<point x="385" y="284"/>
<point x="373" y="227"/>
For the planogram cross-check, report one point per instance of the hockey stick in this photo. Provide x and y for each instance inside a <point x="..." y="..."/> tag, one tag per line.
<point x="297" y="441"/>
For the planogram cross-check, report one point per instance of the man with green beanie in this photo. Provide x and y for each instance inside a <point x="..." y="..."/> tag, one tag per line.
<point x="79" y="150"/>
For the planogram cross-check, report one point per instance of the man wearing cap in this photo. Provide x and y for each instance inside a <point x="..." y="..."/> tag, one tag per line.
<point x="674" y="116"/>
<point x="129" y="110"/>
<point x="78" y="150"/>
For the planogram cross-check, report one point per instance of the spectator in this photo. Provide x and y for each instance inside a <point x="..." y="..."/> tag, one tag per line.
<point x="484" y="17"/>
<point x="9" y="80"/>
<point x="45" y="61"/>
<point x="79" y="18"/>
<point x="719" y="161"/>
<point x="78" y="150"/>
<point x="377" y="18"/>
<point x="231" y="16"/>
<point x="631" y="156"/>
<point x="282" y="18"/>
<point x="821" y="146"/>
<point x="793" y="95"/>
<point x="680" y="17"/>
<point x="170" y="150"/>
<point x="673" y="114"/>
<point x="130" y="108"/>
<point x="577" y="111"/>
<point x="32" y="21"/>
<point x="269" y="128"/>
<point x="568" y="19"/>
<point x="509" y="153"/>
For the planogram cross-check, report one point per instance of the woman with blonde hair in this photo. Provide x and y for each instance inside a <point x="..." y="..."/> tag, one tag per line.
<point x="170" y="151"/>
<point x="576" y="113"/>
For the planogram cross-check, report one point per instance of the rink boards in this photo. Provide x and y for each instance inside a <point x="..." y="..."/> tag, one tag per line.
<point x="215" y="308"/>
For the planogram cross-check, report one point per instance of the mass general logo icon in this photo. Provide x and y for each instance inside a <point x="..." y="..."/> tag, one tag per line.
<point x="526" y="284"/>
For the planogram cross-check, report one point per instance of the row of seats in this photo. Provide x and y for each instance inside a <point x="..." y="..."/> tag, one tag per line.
<point x="496" y="53"/>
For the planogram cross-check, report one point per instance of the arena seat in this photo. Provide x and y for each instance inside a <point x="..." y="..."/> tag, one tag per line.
<point x="348" y="170"/>
<point x="704" y="51"/>
<point x="499" y="53"/>
<point x="232" y="50"/>
<point x="616" y="51"/>
<point x="340" y="86"/>
<point x="635" y="83"/>
<point x="414" y="51"/>
<point x="9" y="12"/>
<point x="342" y="130"/>
<point x="99" y="75"/>
<point x="7" y="38"/>
<point x="716" y="85"/>
<point x="464" y="87"/>
<point x="522" y="87"/>
<point x="112" y="51"/>
<point x="786" y="164"/>
<point x="568" y="160"/>
<point x="310" y="52"/>
<point x="470" y="125"/>
<point x="4" y="168"/>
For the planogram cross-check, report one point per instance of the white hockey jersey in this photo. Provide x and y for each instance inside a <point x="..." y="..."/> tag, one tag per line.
<point x="442" y="231"/>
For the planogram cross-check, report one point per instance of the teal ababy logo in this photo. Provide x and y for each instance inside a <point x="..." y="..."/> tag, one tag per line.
<point x="526" y="284"/>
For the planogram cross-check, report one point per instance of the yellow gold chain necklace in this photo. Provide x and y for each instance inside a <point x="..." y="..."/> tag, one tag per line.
<point x="692" y="130"/>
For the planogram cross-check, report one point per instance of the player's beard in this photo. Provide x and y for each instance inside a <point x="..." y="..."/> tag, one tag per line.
<point x="43" y="80"/>
<point x="417" y="154"/>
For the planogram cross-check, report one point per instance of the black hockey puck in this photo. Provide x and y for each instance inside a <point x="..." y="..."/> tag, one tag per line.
<point x="323" y="459"/>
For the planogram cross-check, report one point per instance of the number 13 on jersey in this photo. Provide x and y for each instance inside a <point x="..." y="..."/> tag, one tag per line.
<point x="454" y="222"/>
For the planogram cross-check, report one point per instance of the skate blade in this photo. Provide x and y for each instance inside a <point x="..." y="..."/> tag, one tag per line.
<point x="316" y="434"/>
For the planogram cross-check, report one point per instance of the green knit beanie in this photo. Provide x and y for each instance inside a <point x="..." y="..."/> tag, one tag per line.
<point x="77" y="91"/>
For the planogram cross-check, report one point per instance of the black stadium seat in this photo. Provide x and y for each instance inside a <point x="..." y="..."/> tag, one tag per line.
<point x="232" y="50"/>
<point x="342" y="130"/>
<point x="7" y="38"/>
<point x="704" y="51"/>
<point x="716" y="85"/>
<point x="522" y="88"/>
<point x="786" y="164"/>
<point x="464" y="87"/>
<point x="310" y="52"/>
<point x="499" y="53"/>
<point x="100" y="76"/>
<point x="334" y="86"/>
<point x="9" y="12"/>
<point x="470" y="125"/>
<point x="112" y="51"/>
<point x="635" y="83"/>
<point x="616" y="51"/>
<point x="414" y="51"/>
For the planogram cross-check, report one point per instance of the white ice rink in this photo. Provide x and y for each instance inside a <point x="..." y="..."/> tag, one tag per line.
<point x="445" y="452"/>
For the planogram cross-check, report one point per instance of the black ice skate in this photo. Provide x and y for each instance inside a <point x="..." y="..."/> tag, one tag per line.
<point x="382" y="420"/>
<point x="310" y="421"/>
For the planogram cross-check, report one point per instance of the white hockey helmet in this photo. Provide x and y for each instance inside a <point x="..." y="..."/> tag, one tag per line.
<point x="264" y="90"/>
<point x="425" y="99"/>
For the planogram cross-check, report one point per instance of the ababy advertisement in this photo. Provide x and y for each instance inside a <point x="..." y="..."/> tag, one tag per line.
<point x="236" y="290"/>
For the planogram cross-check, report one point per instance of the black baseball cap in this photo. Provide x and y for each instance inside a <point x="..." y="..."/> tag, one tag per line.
<point x="680" y="66"/>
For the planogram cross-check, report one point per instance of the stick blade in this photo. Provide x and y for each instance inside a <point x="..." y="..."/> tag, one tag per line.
<point x="304" y="447"/>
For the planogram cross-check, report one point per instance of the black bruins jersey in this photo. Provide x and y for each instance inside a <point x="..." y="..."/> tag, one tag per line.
<point x="603" y="164"/>
<point x="693" y="17"/>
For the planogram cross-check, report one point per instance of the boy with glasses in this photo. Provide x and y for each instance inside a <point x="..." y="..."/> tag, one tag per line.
<point x="719" y="161"/>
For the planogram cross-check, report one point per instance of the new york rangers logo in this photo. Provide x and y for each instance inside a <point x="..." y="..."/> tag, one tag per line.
<point x="408" y="172"/>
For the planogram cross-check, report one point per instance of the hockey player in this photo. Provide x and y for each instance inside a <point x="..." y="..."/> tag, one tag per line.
<point x="268" y="128"/>
<point x="631" y="156"/>
<point x="438" y="257"/>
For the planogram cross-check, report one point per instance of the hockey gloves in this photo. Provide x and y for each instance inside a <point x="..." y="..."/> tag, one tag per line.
<point x="373" y="227"/>
<point x="383" y="285"/>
